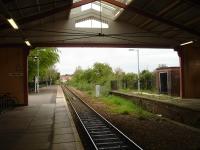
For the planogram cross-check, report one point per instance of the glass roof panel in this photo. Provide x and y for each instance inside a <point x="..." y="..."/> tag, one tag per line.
<point x="107" y="10"/>
<point x="91" y="23"/>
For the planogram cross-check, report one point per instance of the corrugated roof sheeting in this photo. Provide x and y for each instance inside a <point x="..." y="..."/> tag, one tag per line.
<point x="24" y="8"/>
<point x="175" y="13"/>
<point x="180" y="12"/>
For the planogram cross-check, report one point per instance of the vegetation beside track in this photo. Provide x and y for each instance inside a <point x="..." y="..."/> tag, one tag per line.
<point x="122" y="106"/>
<point x="117" y="105"/>
<point x="102" y="74"/>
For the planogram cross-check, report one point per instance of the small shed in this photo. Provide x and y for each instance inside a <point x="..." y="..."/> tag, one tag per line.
<point x="168" y="80"/>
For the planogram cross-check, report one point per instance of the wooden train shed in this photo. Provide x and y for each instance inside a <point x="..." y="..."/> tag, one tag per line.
<point x="168" y="80"/>
<point x="25" y="25"/>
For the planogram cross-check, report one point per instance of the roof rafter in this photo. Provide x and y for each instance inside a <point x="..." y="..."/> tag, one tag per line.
<point x="20" y="12"/>
<point x="82" y="2"/>
<point x="46" y="44"/>
<point x="194" y="2"/>
<point x="50" y="12"/>
<point x="116" y="3"/>
<point x="153" y="17"/>
<point x="147" y="5"/>
<point x="38" y="2"/>
<point x="162" y="12"/>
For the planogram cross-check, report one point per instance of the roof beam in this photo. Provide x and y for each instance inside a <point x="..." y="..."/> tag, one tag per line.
<point x="193" y="21"/>
<point x="147" y="5"/>
<point x="162" y="12"/>
<point x="194" y="2"/>
<point x="3" y="11"/>
<point x="153" y="17"/>
<point x="7" y="1"/>
<point x="82" y="2"/>
<point x="113" y="45"/>
<point x="116" y="3"/>
<point x="38" y="3"/>
<point x="20" y="12"/>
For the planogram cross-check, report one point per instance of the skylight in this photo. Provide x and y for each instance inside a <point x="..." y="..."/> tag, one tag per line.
<point x="90" y="6"/>
<point x="106" y="6"/>
<point x="91" y="23"/>
<point x="102" y="8"/>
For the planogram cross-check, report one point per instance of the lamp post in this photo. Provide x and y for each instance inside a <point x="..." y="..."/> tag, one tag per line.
<point x="37" y="81"/>
<point x="138" y="66"/>
<point x="38" y="71"/>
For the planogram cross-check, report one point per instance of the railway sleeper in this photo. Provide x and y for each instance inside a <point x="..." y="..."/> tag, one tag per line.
<point x="92" y="121"/>
<point x="100" y="132"/>
<point x="114" y="148"/>
<point x="99" y="129"/>
<point x="113" y="143"/>
<point x="107" y="139"/>
<point x="92" y="127"/>
<point x="104" y="135"/>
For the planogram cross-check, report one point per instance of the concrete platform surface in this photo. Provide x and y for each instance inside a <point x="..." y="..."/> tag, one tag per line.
<point x="46" y="124"/>
<point x="193" y="104"/>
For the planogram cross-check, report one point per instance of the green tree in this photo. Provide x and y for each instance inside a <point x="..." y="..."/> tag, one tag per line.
<point x="47" y="58"/>
<point x="119" y="76"/>
<point x="51" y="75"/>
<point x="101" y="73"/>
<point x="146" y="80"/>
<point x="130" y="79"/>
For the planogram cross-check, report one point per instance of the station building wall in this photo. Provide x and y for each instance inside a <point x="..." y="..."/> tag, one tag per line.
<point x="13" y="76"/>
<point x="190" y="71"/>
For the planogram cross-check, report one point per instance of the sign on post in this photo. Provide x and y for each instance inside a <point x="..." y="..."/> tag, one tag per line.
<point x="98" y="88"/>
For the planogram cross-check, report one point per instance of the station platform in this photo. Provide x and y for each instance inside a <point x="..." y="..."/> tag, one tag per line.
<point x="186" y="111"/>
<point x="46" y="124"/>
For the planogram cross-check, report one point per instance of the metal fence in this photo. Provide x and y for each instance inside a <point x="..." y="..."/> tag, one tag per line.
<point x="6" y="101"/>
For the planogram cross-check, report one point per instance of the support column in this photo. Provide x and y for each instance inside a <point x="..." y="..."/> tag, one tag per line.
<point x="189" y="56"/>
<point x="181" y="61"/>
<point x="25" y="71"/>
<point x="14" y="76"/>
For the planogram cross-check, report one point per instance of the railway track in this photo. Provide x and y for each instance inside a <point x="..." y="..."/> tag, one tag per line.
<point x="101" y="133"/>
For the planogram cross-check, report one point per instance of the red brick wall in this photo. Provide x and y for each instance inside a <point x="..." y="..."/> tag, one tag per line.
<point x="13" y="77"/>
<point x="190" y="71"/>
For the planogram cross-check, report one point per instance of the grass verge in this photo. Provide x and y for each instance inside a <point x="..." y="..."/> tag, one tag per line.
<point x="123" y="106"/>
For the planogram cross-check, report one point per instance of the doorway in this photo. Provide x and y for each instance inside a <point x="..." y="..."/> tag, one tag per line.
<point x="163" y="82"/>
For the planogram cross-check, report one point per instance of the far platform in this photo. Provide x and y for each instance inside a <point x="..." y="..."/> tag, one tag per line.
<point x="186" y="111"/>
<point x="185" y="103"/>
<point x="46" y="124"/>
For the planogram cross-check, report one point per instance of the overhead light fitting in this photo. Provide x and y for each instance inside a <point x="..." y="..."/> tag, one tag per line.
<point x="186" y="43"/>
<point x="13" y="23"/>
<point x="28" y="43"/>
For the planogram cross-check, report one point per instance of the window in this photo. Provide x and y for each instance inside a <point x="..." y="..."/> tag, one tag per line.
<point x="91" y="23"/>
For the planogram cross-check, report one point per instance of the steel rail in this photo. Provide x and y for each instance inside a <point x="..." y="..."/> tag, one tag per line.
<point x="102" y="134"/>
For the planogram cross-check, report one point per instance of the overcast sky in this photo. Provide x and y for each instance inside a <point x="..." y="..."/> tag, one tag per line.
<point x="70" y="58"/>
